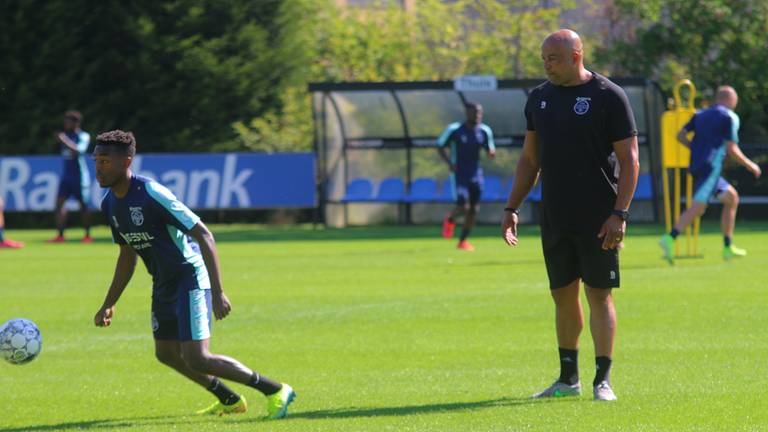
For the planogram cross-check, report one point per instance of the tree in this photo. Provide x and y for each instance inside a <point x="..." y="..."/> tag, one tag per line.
<point x="713" y="42"/>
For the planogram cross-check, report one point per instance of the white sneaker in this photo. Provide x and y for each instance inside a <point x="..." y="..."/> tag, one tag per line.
<point x="604" y="392"/>
<point x="559" y="389"/>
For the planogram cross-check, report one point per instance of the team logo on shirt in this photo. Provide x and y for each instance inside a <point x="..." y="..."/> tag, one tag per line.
<point x="464" y="138"/>
<point x="137" y="217"/>
<point x="543" y="104"/>
<point x="582" y="105"/>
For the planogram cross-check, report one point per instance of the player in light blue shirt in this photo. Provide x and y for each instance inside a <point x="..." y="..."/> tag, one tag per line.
<point x="75" y="179"/>
<point x="180" y="253"/>
<point x="715" y="135"/>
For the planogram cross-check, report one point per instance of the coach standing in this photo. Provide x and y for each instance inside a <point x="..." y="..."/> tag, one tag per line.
<point x="581" y="138"/>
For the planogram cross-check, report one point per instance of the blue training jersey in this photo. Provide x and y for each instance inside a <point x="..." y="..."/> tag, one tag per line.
<point x="155" y="224"/>
<point x="712" y="127"/>
<point x="75" y="167"/>
<point x="466" y="144"/>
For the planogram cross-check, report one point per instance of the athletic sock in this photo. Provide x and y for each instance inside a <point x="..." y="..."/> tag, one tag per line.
<point x="464" y="234"/>
<point x="2" y="234"/>
<point x="569" y="366"/>
<point x="602" y="370"/>
<point x="674" y="233"/>
<point x="726" y="239"/>
<point x="225" y="394"/>
<point x="264" y="384"/>
<point x="61" y="232"/>
<point x="450" y="219"/>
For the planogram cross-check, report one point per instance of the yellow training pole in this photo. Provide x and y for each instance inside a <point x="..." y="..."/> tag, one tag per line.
<point x="667" y="206"/>
<point x="688" y="204"/>
<point x="677" y="203"/>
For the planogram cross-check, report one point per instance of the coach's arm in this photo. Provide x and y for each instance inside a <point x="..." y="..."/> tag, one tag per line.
<point x="528" y="167"/>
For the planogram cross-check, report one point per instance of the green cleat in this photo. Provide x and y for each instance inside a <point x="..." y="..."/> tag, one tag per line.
<point x="667" y="243"/>
<point x="220" y="409"/>
<point x="733" y="252"/>
<point x="559" y="389"/>
<point x="277" y="404"/>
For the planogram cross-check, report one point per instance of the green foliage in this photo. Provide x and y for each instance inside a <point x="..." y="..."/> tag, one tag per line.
<point x="712" y="42"/>
<point x="177" y="73"/>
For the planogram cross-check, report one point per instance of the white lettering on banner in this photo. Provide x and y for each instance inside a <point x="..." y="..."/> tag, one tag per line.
<point x="176" y="182"/>
<point x="13" y="185"/>
<point x="43" y="197"/>
<point x="196" y="180"/>
<point x="475" y="83"/>
<point x="234" y="185"/>
<point x="136" y="168"/>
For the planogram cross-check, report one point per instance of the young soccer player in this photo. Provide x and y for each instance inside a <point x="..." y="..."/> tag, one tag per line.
<point x="147" y="220"/>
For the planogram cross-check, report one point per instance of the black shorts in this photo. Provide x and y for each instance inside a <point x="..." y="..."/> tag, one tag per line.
<point x="581" y="256"/>
<point x="468" y="192"/>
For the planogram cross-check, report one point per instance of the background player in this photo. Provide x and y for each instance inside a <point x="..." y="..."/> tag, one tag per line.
<point x="147" y="219"/>
<point x="4" y="242"/>
<point x="715" y="135"/>
<point x="466" y="140"/>
<point x="75" y="178"/>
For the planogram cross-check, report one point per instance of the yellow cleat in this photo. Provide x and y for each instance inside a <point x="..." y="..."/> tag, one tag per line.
<point x="277" y="404"/>
<point x="220" y="409"/>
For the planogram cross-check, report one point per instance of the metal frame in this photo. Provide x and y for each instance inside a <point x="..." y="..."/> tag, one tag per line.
<point x="407" y="141"/>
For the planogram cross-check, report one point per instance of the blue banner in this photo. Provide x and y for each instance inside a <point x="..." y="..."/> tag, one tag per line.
<point x="202" y="181"/>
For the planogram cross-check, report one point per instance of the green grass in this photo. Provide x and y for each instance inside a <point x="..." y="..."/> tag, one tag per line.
<point x="393" y="329"/>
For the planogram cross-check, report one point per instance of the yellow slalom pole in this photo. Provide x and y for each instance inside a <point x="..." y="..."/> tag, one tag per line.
<point x="677" y="203"/>
<point x="688" y="204"/>
<point x="667" y="207"/>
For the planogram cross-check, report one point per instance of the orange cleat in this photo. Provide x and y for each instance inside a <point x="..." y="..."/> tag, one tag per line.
<point x="57" y="239"/>
<point x="464" y="245"/>
<point x="10" y="244"/>
<point x="448" y="228"/>
<point x="87" y="240"/>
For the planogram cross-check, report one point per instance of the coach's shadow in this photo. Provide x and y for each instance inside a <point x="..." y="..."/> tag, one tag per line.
<point x="399" y="411"/>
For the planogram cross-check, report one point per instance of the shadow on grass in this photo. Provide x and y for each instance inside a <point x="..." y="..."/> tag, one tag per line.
<point x="399" y="411"/>
<point x="103" y="424"/>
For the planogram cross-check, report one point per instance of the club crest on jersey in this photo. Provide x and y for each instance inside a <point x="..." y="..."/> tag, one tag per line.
<point x="543" y="104"/>
<point x="582" y="105"/>
<point x="137" y="217"/>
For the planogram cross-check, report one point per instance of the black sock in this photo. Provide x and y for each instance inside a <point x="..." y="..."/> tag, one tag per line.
<point x="225" y="394"/>
<point x="727" y="240"/>
<point x="264" y="384"/>
<point x="450" y="219"/>
<point x="569" y="366"/>
<point x="61" y="232"/>
<point x="464" y="234"/>
<point x="674" y="233"/>
<point x="602" y="370"/>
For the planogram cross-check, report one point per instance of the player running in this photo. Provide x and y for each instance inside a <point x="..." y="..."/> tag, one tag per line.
<point x="75" y="179"/>
<point x="715" y="135"/>
<point x="466" y="140"/>
<point x="147" y="220"/>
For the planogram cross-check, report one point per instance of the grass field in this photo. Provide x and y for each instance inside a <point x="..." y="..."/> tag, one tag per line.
<point x="393" y="329"/>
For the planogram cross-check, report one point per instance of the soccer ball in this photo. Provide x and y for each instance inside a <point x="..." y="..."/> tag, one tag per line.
<point x="20" y="341"/>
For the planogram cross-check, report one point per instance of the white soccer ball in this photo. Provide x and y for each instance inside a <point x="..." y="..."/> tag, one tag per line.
<point x="20" y="341"/>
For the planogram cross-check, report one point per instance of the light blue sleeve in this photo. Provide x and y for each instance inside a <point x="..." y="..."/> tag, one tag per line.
<point x="734" y="130"/>
<point x="491" y="144"/>
<point x="177" y="213"/>
<point x="443" y="139"/>
<point x="83" y="141"/>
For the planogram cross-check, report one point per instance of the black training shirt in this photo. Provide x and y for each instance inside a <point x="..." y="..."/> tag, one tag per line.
<point x="576" y="128"/>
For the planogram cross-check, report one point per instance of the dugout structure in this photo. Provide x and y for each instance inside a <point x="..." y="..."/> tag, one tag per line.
<point x="377" y="158"/>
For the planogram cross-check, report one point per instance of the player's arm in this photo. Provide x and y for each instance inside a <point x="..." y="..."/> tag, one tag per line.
<point x="204" y="237"/>
<point x="682" y="138"/>
<point x="526" y="174"/>
<point x="126" y="263"/>
<point x="67" y="142"/>
<point x="626" y="150"/>
<point x="442" y="143"/>
<point x="735" y="152"/>
<point x="490" y="144"/>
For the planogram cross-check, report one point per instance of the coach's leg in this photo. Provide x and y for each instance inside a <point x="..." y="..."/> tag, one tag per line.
<point x="602" y="324"/>
<point x="198" y="357"/>
<point x="569" y="316"/>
